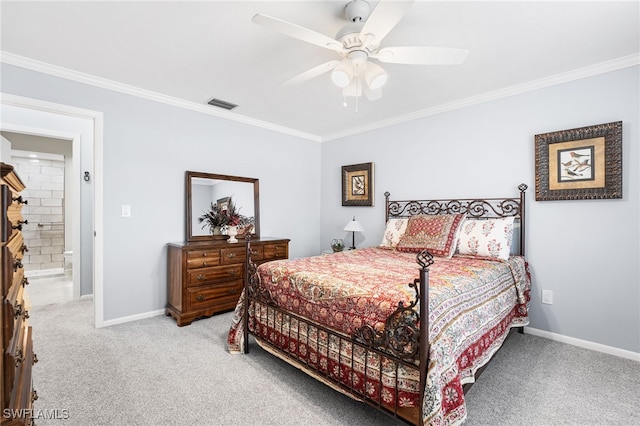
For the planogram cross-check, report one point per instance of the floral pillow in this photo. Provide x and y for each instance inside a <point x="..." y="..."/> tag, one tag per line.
<point x="488" y="238"/>
<point x="392" y="233"/>
<point x="435" y="233"/>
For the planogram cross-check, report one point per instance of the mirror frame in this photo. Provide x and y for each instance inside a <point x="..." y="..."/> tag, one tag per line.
<point x="256" y="202"/>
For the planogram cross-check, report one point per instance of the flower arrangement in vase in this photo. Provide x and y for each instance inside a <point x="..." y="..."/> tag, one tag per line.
<point x="220" y="221"/>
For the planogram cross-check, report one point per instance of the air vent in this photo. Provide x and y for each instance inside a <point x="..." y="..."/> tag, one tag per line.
<point x="221" y="104"/>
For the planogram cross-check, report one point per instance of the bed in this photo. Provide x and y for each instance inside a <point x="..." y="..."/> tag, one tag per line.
<point x="406" y="326"/>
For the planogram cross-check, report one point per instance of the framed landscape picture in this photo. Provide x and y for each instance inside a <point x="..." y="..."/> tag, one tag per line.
<point x="579" y="164"/>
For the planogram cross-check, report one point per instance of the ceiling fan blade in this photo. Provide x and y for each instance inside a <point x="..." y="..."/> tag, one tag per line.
<point x="311" y="73"/>
<point x="421" y="55"/>
<point x="382" y="20"/>
<point x="297" y="32"/>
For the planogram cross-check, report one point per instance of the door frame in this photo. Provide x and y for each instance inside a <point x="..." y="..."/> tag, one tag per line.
<point x="96" y="120"/>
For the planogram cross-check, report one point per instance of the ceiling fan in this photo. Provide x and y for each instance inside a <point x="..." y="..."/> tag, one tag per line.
<point x="357" y="43"/>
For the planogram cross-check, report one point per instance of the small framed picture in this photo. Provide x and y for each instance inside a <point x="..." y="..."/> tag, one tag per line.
<point x="223" y="204"/>
<point x="357" y="185"/>
<point x="580" y="164"/>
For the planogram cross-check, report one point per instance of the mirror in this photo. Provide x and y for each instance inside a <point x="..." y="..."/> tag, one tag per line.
<point x="207" y="189"/>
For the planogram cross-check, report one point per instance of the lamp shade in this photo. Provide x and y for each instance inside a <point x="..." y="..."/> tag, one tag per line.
<point x="342" y="74"/>
<point x="353" y="226"/>
<point x="375" y="76"/>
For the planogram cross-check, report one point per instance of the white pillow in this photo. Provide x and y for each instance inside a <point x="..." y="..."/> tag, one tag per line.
<point x="393" y="232"/>
<point x="487" y="238"/>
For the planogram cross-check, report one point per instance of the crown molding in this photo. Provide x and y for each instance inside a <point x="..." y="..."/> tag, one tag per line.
<point x="79" y="77"/>
<point x="580" y="73"/>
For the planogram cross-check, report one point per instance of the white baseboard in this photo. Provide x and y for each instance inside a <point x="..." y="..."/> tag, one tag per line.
<point x="137" y="317"/>
<point x="635" y="356"/>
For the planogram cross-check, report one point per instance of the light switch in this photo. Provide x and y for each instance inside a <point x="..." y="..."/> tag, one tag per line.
<point x="126" y="210"/>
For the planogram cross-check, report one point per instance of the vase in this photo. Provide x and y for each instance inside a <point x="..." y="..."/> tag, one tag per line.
<point x="337" y="245"/>
<point x="232" y="231"/>
<point x="217" y="234"/>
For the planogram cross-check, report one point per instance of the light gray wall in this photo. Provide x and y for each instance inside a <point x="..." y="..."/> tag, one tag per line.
<point x="5" y="149"/>
<point x="586" y="252"/>
<point x="148" y="146"/>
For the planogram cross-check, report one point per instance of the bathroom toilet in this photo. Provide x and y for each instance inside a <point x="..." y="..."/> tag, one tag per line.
<point x="68" y="262"/>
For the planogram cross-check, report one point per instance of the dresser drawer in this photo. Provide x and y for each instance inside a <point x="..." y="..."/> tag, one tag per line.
<point x="204" y="253"/>
<point x="16" y="347"/>
<point x="16" y="245"/>
<point x="15" y="300"/>
<point x="202" y="276"/>
<point x="233" y="255"/>
<point x="204" y="261"/>
<point x="22" y="394"/>
<point x="257" y="253"/>
<point x="275" y="251"/>
<point x="220" y="297"/>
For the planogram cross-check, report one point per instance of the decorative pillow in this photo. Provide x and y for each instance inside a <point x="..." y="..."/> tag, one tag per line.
<point x="488" y="238"/>
<point x="392" y="233"/>
<point x="435" y="233"/>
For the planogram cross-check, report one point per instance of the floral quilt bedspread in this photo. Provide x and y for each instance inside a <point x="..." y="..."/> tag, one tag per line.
<point x="472" y="305"/>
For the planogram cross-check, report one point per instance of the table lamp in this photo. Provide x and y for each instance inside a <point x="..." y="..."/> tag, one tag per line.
<point x="353" y="226"/>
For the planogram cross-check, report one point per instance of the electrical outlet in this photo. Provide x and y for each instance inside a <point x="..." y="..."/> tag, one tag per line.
<point x="126" y="210"/>
<point x="547" y="297"/>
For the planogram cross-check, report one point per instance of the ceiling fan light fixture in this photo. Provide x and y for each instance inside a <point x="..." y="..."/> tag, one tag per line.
<point x="354" y="89"/>
<point x="375" y="76"/>
<point x="342" y="74"/>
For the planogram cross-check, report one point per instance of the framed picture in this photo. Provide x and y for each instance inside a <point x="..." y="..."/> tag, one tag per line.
<point x="357" y="185"/>
<point x="580" y="164"/>
<point x="223" y="203"/>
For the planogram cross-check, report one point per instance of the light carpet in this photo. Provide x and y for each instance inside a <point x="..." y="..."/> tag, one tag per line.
<point x="152" y="372"/>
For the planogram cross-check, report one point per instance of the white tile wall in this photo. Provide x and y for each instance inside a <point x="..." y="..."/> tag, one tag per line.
<point x="44" y="180"/>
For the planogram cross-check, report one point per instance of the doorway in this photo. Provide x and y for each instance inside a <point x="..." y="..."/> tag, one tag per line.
<point x="45" y="165"/>
<point x="83" y="128"/>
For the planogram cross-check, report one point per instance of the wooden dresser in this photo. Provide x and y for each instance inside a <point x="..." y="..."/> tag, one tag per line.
<point x="17" y="344"/>
<point x="206" y="277"/>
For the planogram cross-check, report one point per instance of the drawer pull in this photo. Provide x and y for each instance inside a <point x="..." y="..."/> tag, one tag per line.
<point x="231" y="255"/>
<point x="232" y="291"/>
<point x="200" y="277"/>
<point x="23" y="248"/>
<point x="19" y="357"/>
<point x="204" y="264"/>
<point x="20" y="200"/>
<point x="200" y="297"/>
<point x="19" y="225"/>
<point x="233" y="272"/>
<point x="17" y="264"/>
<point x="34" y="395"/>
<point x="254" y="252"/>
<point x="25" y="281"/>
<point x="25" y="315"/>
<point x="18" y="309"/>
<point x="35" y="358"/>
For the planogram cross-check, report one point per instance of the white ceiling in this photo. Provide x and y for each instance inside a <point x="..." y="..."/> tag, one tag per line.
<point x="193" y="51"/>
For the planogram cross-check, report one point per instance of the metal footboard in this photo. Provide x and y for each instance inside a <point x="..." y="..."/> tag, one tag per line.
<point x="369" y="365"/>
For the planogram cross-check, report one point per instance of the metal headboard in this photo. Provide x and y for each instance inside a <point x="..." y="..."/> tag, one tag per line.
<point x="478" y="208"/>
